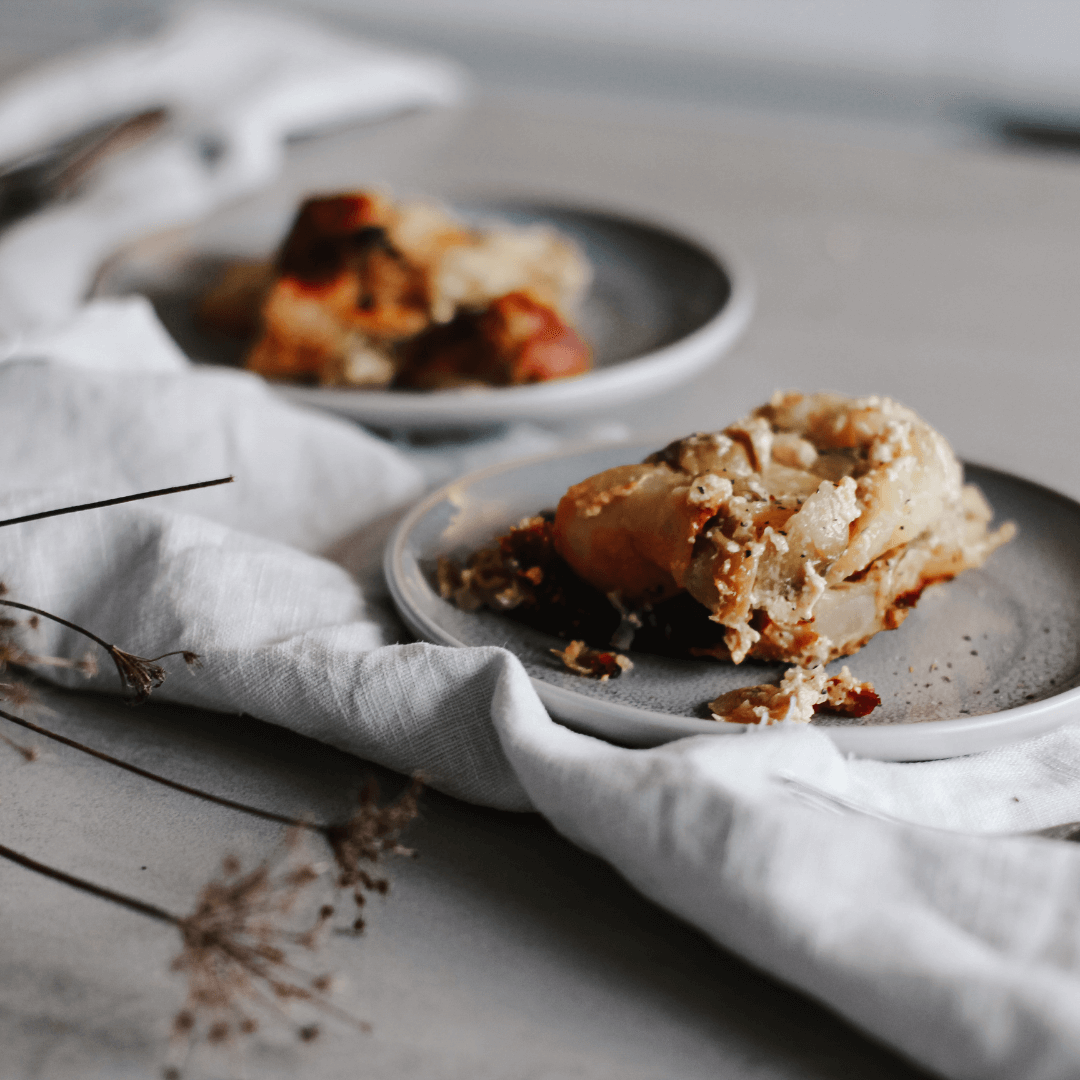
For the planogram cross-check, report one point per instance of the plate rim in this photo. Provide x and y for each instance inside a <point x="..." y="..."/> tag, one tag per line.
<point x="623" y="382"/>
<point x="946" y="738"/>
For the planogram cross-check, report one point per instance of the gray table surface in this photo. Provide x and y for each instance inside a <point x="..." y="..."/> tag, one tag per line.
<point x="941" y="274"/>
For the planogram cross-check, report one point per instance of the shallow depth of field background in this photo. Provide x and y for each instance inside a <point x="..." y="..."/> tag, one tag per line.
<point x="944" y="68"/>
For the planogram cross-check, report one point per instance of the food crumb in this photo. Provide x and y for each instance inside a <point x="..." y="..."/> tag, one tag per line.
<point x="592" y="663"/>
<point x="802" y="693"/>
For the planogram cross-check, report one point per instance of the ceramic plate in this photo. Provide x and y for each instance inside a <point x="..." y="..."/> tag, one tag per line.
<point x="661" y="308"/>
<point x="989" y="658"/>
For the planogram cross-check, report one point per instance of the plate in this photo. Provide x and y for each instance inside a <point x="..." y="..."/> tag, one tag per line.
<point x="989" y="658"/>
<point x="661" y="308"/>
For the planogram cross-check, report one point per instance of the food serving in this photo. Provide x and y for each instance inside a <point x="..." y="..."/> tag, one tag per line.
<point x="794" y="535"/>
<point x="368" y="293"/>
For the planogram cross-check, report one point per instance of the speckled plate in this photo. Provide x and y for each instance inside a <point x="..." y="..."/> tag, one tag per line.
<point x="661" y="308"/>
<point x="989" y="658"/>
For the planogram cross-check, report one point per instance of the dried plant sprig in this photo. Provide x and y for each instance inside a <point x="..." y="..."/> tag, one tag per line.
<point x="187" y="789"/>
<point x="144" y="674"/>
<point x="130" y="902"/>
<point x="237" y="945"/>
<point x="369" y="834"/>
<point x="16" y="692"/>
<point x="236" y="942"/>
<point x="236" y="954"/>
<point x="116" y="502"/>
<point x="139" y="673"/>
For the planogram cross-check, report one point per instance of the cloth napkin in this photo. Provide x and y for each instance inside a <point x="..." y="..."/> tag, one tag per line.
<point x="961" y="951"/>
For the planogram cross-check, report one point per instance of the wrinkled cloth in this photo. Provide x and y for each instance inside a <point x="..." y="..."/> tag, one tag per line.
<point x="961" y="951"/>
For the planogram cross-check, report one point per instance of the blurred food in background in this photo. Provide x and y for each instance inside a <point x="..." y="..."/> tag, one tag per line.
<point x="369" y="293"/>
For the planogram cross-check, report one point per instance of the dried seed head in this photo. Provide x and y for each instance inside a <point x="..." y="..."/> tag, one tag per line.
<point x="183" y="1022"/>
<point x="219" y="1032"/>
<point x="372" y="832"/>
<point x="238" y="944"/>
<point x="137" y="672"/>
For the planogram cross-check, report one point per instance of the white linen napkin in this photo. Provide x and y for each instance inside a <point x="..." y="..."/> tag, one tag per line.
<point x="962" y="952"/>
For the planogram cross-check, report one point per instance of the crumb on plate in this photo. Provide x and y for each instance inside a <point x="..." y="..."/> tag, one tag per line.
<point x="802" y="693"/>
<point x="592" y="663"/>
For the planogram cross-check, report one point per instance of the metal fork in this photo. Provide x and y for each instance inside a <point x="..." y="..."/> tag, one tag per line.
<point x="55" y="173"/>
<point x="815" y="796"/>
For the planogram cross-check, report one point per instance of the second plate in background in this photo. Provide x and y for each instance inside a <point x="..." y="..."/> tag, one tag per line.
<point x="661" y="308"/>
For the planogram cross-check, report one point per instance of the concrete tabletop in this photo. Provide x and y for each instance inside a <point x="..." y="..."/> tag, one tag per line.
<point x="941" y="272"/>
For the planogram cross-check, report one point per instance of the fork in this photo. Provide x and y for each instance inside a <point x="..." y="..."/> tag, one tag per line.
<point x="54" y="173"/>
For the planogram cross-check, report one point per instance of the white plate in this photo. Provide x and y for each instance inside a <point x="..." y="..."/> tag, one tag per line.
<point x="989" y="658"/>
<point x="661" y="308"/>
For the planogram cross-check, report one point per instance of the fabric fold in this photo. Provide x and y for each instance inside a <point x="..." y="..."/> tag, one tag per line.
<point x="959" y="951"/>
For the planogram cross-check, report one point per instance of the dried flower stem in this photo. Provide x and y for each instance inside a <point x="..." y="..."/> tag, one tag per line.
<point x="333" y="832"/>
<point x="83" y="885"/>
<point x="268" y="815"/>
<point x="63" y="622"/>
<point x="369" y="833"/>
<point x="115" y="502"/>
<point x="141" y="673"/>
<point x="233" y="942"/>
